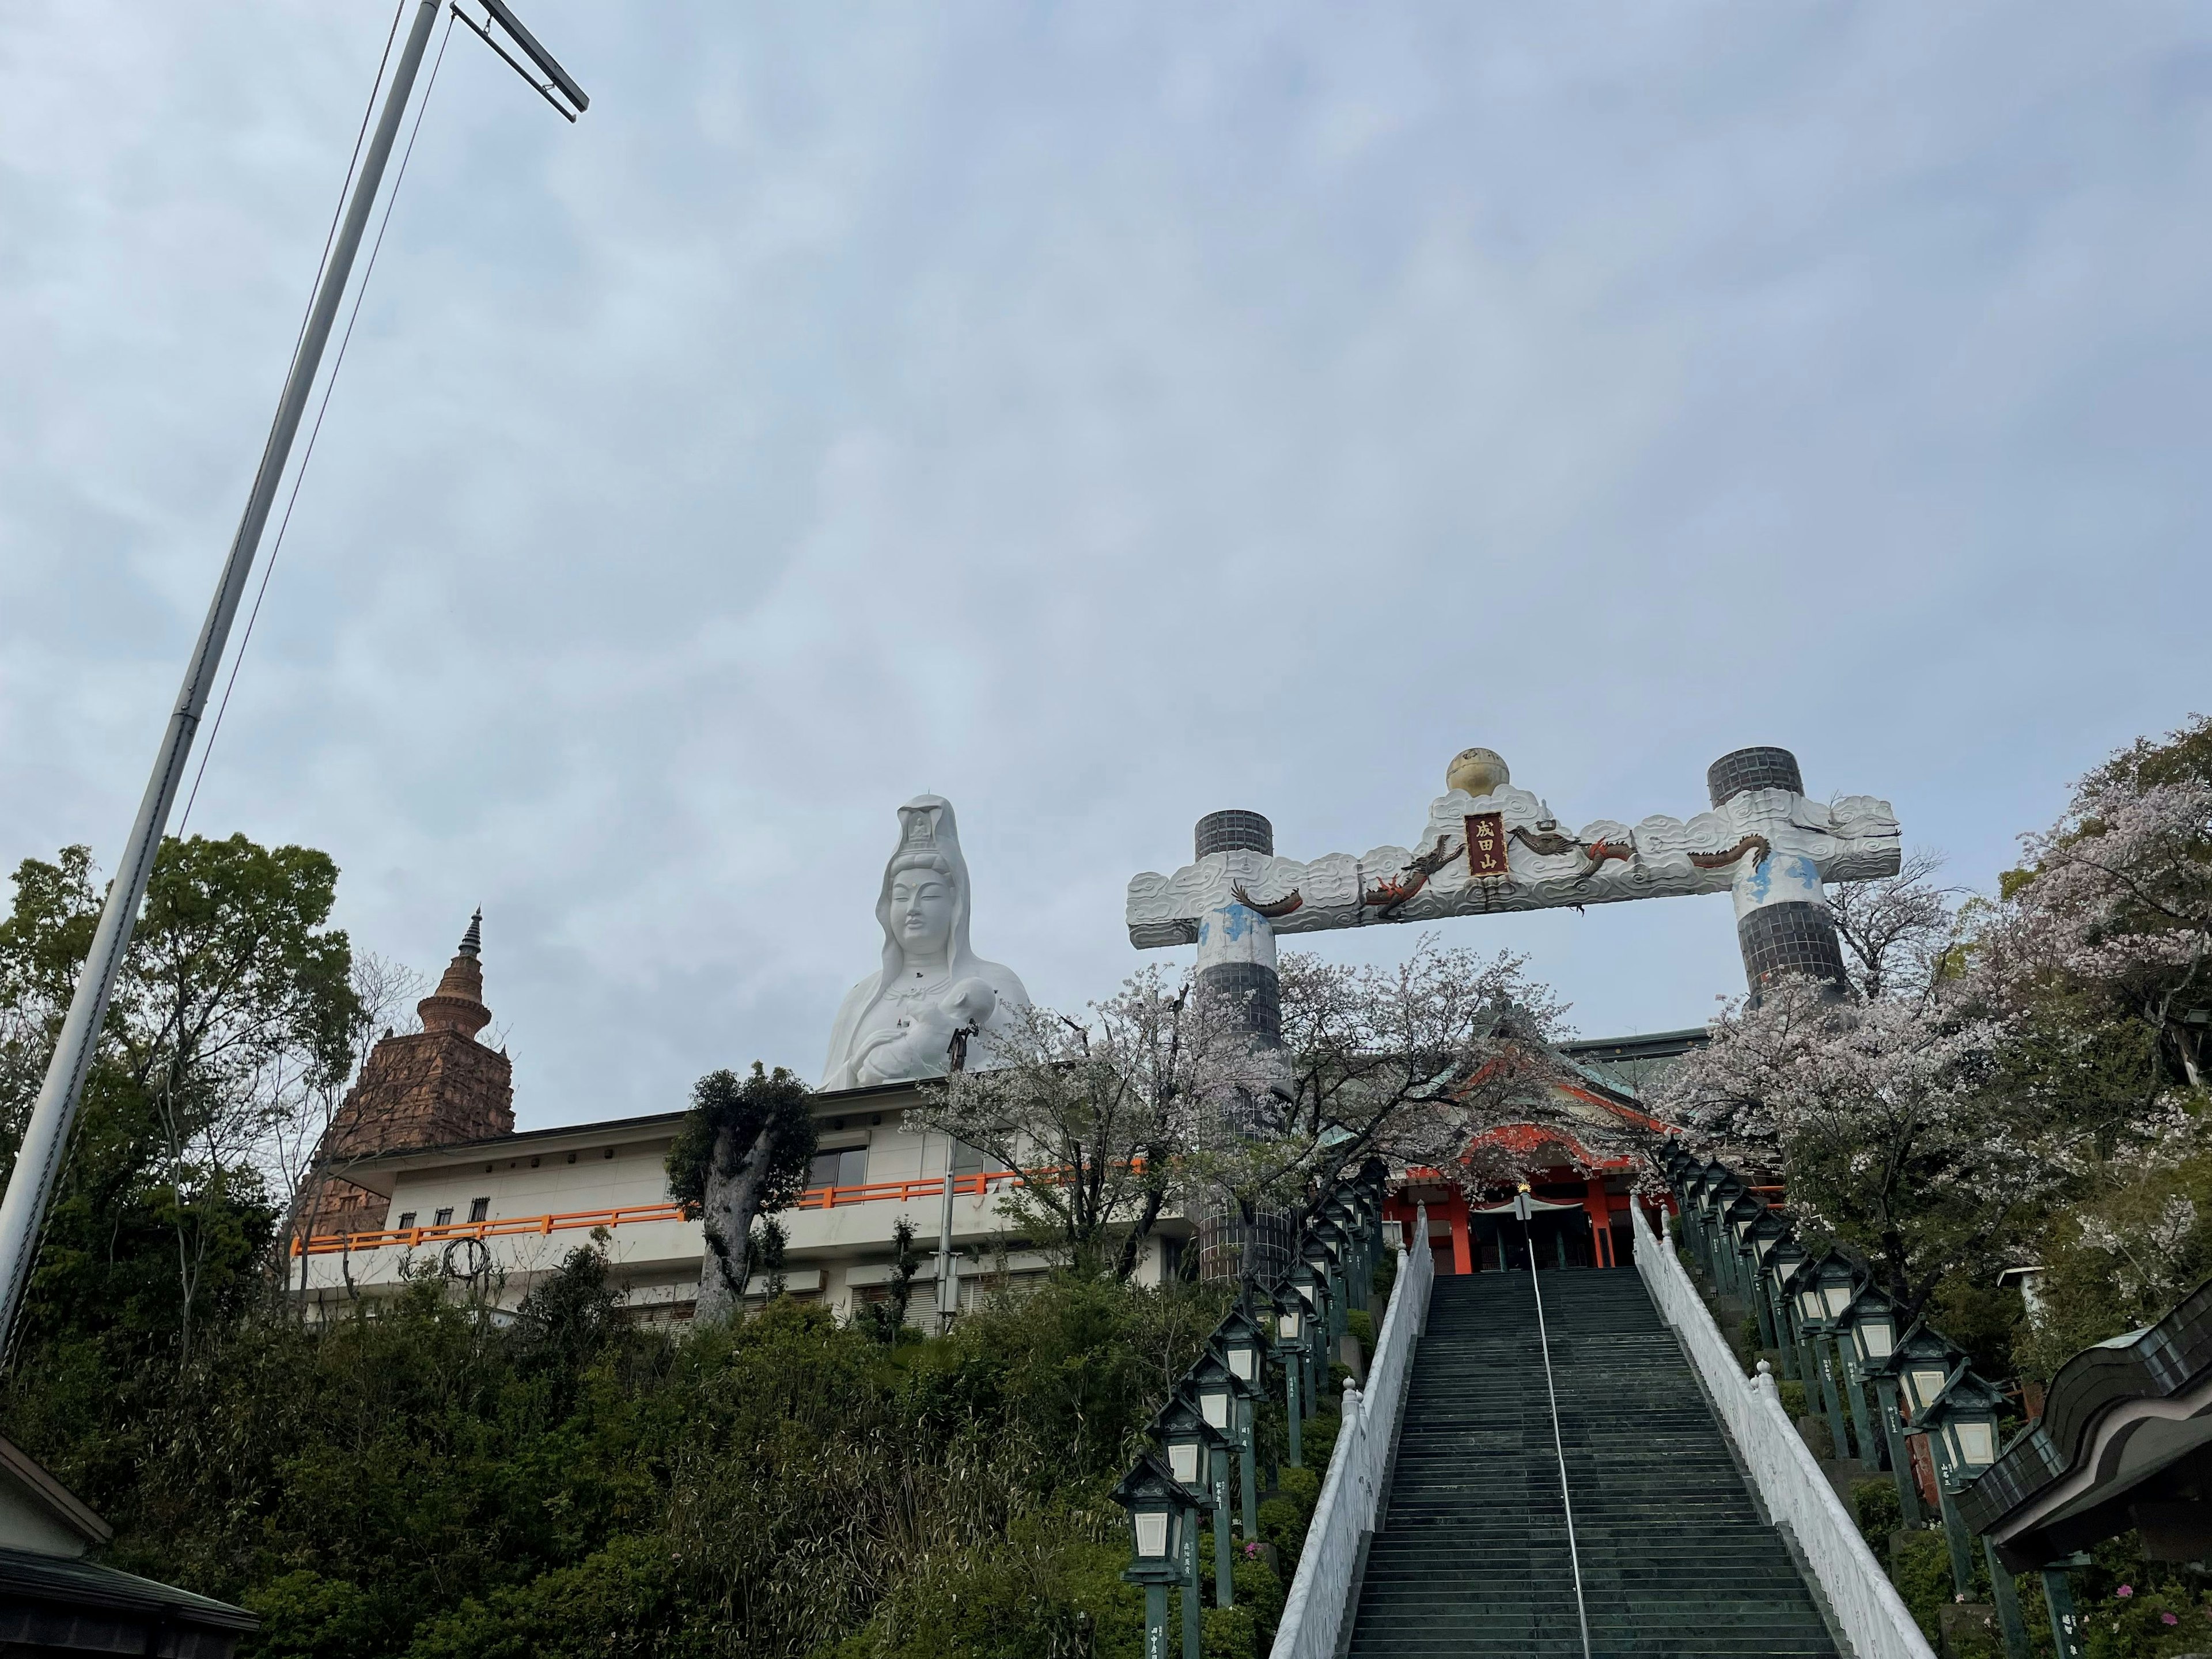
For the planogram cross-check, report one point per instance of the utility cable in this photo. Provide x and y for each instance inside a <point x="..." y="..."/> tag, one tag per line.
<point x="1558" y="1445"/>
<point x="15" y="1336"/>
<point x="368" y="113"/>
<point x="338" y="362"/>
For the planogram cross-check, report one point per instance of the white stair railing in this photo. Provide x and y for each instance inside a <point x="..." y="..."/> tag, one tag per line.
<point x="1798" y="1495"/>
<point x="1314" y="1611"/>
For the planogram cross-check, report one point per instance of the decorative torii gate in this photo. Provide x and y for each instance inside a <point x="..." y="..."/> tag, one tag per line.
<point x="1489" y="847"/>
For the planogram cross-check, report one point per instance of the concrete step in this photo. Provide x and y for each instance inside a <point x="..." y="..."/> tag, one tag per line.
<point x="1472" y="1557"/>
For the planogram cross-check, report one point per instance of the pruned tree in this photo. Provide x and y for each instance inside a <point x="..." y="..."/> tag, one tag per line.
<point x="740" y="1152"/>
<point x="886" y="1319"/>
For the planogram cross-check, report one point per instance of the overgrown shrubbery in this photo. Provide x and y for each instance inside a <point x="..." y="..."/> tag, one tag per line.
<point x="418" y="1480"/>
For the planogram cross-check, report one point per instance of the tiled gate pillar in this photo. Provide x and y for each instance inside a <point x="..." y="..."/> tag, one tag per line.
<point x="1781" y="922"/>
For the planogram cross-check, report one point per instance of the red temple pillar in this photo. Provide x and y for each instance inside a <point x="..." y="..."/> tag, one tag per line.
<point x="1601" y="1223"/>
<point x="1463" y="1252"/>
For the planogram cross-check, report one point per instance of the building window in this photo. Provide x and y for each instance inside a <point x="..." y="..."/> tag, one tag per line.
<point x="970" y="1160"/>
<point x="479" y="1208"/>
<point x="406" y="1218"/>
<point x="849" y="1167"/>
<point x="444" y="1218"/>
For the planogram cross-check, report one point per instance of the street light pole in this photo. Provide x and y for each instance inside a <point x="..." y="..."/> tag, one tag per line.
<point x="46" y="1137"/>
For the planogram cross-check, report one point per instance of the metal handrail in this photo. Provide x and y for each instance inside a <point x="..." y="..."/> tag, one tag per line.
<point x="1314" y="1611"/>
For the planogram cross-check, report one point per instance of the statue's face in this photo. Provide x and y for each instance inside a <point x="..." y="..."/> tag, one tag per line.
<point x="921" y="910"/>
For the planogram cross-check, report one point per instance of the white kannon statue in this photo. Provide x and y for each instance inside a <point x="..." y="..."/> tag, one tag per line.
<point x="902" y="1021"/>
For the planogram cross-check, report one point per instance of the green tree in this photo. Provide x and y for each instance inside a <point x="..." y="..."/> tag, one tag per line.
<point x="234" y="1007"/>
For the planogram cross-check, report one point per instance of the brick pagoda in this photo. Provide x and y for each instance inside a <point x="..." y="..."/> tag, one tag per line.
<point x="434" y="1087"/>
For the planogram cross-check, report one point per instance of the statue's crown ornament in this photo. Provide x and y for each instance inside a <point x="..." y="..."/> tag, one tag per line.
<point x="918" y="823"/>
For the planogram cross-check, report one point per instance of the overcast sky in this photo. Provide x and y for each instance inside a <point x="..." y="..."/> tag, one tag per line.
<point x="1097" y="415"/>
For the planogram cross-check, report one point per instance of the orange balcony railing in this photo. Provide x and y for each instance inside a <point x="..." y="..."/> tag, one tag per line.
<point x="814" y="1198"/>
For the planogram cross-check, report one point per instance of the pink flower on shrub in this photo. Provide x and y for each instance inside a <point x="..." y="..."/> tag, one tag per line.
<point x="2169" y="1618"/>
<point x="2125" y="1591"/>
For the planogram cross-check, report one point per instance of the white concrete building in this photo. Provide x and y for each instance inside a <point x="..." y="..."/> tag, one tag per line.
<point x="509" y="1209"/>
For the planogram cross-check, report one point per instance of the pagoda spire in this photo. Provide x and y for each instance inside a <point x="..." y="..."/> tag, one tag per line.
<point x="458" y="1003"/>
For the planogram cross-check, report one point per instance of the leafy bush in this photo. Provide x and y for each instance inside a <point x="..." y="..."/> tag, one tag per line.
<point x="1385" y="1276"/>
<point x="415" y="1480"/>
<point x="1284" y="1518"/>
<point x="1920" y="1566"/>
<point x="1875" y="1508"/>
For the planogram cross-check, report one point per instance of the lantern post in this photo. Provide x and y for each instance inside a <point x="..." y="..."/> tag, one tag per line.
<point x="1866" y="1331"/>
<point x="1326" y="1236"/>
<point x="1742" y="1210"/>
<point x="1288" y="1309"/>
<point x="1161" y="1509"/>
<point x="1765" y="1231"/>
<point x="2058" y="1600"/>
<point x="1243" y="1345"/>
<point x="1909" y="1381"/>
<point x="1961" y="1426"/>
<point x="1824" y="1289"/>
<point x="1775" y="1273"/>
<point x="1191" y="1442"/>
<point x="1312" y="1287"/>
<point x="1215" y="1390"/>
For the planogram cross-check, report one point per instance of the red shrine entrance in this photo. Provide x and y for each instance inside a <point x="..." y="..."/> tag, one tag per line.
<point x="1583" y="1206"/>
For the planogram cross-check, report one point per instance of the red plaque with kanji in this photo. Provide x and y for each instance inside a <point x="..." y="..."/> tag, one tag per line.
<point x="1485" y="844"/>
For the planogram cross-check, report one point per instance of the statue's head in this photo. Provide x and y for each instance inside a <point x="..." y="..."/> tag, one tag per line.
<point x="923" y="894"/>
<point x="923" y="907"/>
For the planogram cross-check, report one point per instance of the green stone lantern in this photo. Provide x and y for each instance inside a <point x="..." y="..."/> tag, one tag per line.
<point x="1866" y="1333"/>
<point x="1218" y="1394"/>
<point x="1324" y="1246"/>
<point x="1335" y="1212"/>
<point x="1311" y="1283"/>
<point x="1735" y="1219"/>
<point x="1163" y="1515"/>
<point x="1906" y="1383"/>
<point x="1766" y="1231"/>
<point x="1718" y="1193"/>
<point x="1286" y="1311"/>
<point x="1243" y="1341"/>
<point x="1823" y="1287"/>
<point x="1776" y="1268"/>
<point x="1191" y="1444"/>
<point x="1961" y="1426"/>
<point x="1966" y="1414"/>
<point x="1921" y="1363"/>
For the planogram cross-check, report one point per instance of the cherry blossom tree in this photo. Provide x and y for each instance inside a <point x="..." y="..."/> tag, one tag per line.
<point x="1897" y="933"/>
<point x="1159" y="1097"/>
<point x="2116" y="899"/>
<point x="1882" y="1115"/>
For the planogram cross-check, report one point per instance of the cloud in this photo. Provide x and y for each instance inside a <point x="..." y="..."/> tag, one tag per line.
<point x="1099" y="416"/>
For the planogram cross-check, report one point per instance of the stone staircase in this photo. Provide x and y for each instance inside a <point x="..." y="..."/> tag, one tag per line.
<point x="1472" y="1555"/>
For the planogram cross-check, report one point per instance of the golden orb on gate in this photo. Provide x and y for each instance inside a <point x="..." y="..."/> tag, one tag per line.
<point x="1479" y="771"/>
